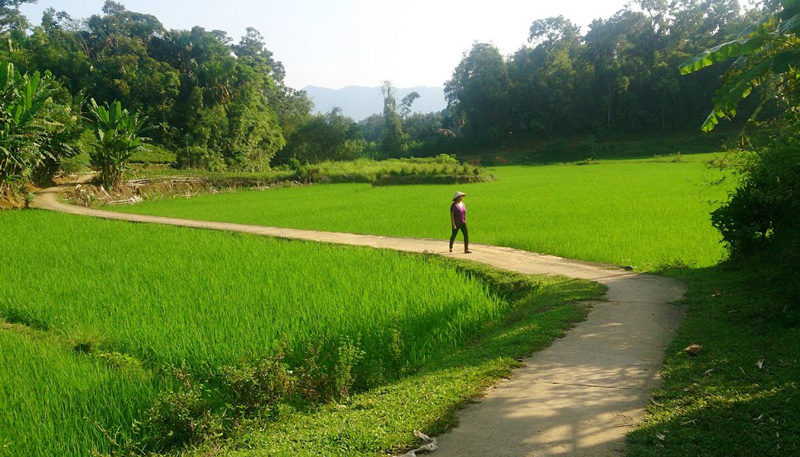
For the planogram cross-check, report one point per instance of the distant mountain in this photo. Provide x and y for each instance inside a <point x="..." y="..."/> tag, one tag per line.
<point x="362" y="102"/>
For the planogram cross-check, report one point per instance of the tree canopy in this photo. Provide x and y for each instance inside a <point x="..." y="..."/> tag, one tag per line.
<point x="619" y="76"/>
<point x="220" y="103"/>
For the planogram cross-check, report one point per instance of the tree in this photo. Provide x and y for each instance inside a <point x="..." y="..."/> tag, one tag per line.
<point x="10" y="16"/>
<point x="331" y="136"/>
<point x="544" y="79"/>
<point x="477" y="95"/>
<point x="765" y="206"/>
<point x="406" y="102"/>
<point x="117" y="132"/>
<point x="552" y="31"/>
<point x="28" y="123"/>
<point x="769" y="52"/>
<point x="392" y="136"/>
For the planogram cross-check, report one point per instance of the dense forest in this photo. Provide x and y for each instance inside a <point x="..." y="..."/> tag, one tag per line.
<point x="619" y="77"/>
<point x="218" y="103"/>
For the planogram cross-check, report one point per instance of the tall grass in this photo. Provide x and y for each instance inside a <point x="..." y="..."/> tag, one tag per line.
<point x="648" y="213"/>
<point x="58" y="403"/>
<point x="85" y="295"/>
<point x="172" y="296"/>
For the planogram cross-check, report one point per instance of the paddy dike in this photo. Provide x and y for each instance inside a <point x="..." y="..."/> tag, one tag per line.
<point x="578" y="397"/>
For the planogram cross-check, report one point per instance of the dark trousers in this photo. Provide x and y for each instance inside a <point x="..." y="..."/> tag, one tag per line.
<point x="463" y="228"/>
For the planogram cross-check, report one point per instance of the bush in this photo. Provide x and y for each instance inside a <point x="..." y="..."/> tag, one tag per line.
<point x="304" y="172"/>
<point x="767" y="204"/>
<point x="180" y="418"/>
<point x="152" y="154"/>
<point x="257" y="388"/>
<point x="200" y="158"/>
<point x="76" y="164"/>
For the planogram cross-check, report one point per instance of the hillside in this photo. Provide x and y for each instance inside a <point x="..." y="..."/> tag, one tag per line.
<point x="361" y="102"/>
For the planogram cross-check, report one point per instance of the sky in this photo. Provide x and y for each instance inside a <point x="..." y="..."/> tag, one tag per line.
<point x="338" y="43"/>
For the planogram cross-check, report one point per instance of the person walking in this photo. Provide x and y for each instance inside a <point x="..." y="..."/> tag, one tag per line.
<point x="458" y="220"/>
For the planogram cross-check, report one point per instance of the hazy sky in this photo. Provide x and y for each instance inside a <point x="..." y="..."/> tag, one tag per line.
<point x="337" y="43"/>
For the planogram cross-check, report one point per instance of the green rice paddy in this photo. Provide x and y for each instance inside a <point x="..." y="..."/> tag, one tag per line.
<point x="97" y="312"/>
<point x="57" y="402"/>
<point x="171" y="296"/>
<point x="645" y="213"/>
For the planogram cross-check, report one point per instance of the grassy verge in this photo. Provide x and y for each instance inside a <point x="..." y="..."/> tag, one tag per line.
<point x="382" y="421"/>
<point x="741" y="395"/>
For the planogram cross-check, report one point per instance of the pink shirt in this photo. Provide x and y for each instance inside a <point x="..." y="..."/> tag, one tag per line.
<point x="459" y="213"/>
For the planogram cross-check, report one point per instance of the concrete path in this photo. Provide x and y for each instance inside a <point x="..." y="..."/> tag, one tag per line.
<point x="576" y="398"/>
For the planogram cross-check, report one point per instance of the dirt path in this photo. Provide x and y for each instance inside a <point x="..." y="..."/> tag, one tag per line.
<point x="576" y="398"/>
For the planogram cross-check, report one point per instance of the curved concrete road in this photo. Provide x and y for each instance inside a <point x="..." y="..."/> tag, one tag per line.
<point x="576" y="398"/>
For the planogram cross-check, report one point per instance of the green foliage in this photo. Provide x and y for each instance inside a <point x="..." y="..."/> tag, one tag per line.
<point x="477" y="95"/>
<point x="765" y="205"/>
<point x="616" y="78"/>
<point x="76" y="164"/>
<point x="432" y="171"/>
<point x="149" y="154"/>
<point x="197" y="88"/>
<point x="179" y="418"/>
<point x="304" y="172"/>
<point x="770" y="48"/>
<point x="29" y="124"/>
<point x="392" y="135"/>
<point x="256" y="388"/>
<point x="723" y="52"/>
<point x="117" y="132"/>
<point x="332" y="136"/>
<point x="349" y="356"/>
<point x="198" y="157"/>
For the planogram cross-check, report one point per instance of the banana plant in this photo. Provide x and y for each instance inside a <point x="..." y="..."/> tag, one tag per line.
<point x="117" y="132"/>
<point x="24" y="101"/>
<point x="769" y="48"/>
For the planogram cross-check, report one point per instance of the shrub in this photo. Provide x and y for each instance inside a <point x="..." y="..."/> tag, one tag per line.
<point x="32" y="125"/>
<point x="180" y="418"/>
<point x="767" y="203"/>
<point x="117" y="133"/>
<point x="349" y="355"/>
<point x="304" y="172"/>
<point x="76" y="164"/>
<point x="202" y="158"/>
<point x="256" y="388"/>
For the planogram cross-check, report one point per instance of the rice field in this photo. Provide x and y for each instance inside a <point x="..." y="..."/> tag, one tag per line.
<point x="644" y="213"/>
<point x="57" y="402"/>
<point x="168" y="295"/>
<point x="94" y="315"/>
<point x="78" y="289"/>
